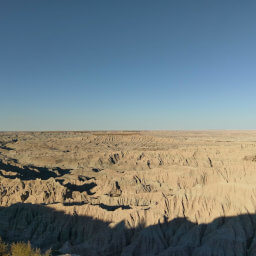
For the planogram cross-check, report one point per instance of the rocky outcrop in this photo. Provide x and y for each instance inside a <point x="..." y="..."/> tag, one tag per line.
<point x="121" y="193"/>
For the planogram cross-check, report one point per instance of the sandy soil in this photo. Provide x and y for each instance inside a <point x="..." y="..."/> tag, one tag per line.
<point x="130" y="193"/>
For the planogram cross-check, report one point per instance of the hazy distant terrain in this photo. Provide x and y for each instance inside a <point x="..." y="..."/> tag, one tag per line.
<point x="130" y="193"/>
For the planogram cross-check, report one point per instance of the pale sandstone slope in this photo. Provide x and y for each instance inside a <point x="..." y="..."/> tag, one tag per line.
<point x="130" y="193"/>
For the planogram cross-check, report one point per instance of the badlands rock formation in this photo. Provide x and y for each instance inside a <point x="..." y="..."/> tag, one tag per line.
<point x="130" y="193"/>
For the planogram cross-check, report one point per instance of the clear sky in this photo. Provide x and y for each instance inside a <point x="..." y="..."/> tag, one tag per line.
<point x="134" y="64"/>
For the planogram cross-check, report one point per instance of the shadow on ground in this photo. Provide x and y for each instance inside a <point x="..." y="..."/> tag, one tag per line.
<point x="43" y="173"/>
<point x="48" y="228"/>
<point x="31" y="172"/>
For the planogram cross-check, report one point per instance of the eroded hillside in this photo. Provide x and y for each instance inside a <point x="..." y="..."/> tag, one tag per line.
<point x="130" y="193"/>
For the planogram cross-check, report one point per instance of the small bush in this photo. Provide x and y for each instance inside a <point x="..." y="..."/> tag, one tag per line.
<point x="20" y="249"/>
<point x="3" y="248"/>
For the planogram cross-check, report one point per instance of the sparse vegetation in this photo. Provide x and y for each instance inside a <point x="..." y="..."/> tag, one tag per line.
<point x="20" y="249"/>
<point x="3" y="248"/>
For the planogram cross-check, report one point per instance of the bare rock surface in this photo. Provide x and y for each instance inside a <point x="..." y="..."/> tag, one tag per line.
<point x="130" y="193"/>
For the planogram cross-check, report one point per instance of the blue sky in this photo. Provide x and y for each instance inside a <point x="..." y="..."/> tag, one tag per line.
<point x="137" y="64"/>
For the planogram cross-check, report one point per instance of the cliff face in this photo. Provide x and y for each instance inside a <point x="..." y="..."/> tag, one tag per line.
<point x="130" y="193"/>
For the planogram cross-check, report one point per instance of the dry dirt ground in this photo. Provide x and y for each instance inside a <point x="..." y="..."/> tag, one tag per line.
<point x="130" y="193"/>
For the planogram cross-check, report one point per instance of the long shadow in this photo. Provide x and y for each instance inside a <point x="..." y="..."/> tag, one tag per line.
<point x="113" y="207"/>
<point x="5" y="147"/>
<point x="80" y="188"/>
<point x="31" y="172"/>
<point x="43" y="173"/>
<point x="3" y="144"/>
<point x="101" y="205"/>
<point x="47" y="228"/>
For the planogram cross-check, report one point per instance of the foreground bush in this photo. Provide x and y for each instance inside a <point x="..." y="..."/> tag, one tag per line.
<point x="3" y="248"/>
<point x="19" y="249"/>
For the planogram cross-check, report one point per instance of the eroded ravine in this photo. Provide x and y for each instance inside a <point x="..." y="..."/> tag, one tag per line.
<point x="130" y="193"/>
